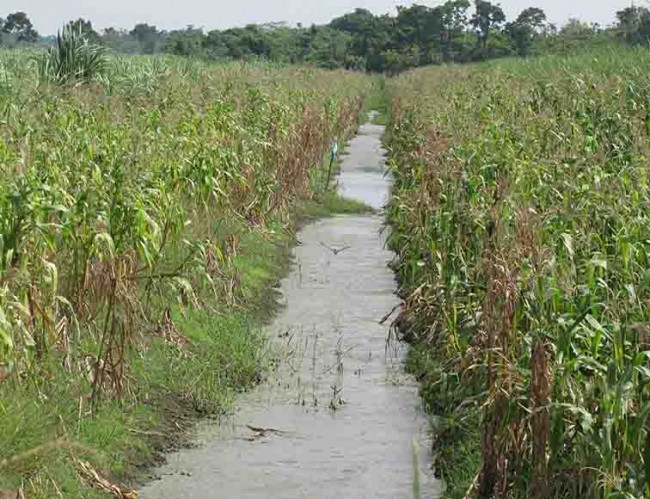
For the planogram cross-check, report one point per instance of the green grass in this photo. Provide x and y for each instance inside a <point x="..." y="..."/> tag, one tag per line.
<point x="457" y="455"/>
<point x="377" y="100"/>
<point x="332" y="204"/>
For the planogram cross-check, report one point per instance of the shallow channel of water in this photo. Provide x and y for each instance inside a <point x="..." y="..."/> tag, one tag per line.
<point x="339" y="418"/>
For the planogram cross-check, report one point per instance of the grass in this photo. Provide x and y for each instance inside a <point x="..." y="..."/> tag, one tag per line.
<point x="330" y="204"/>
<point x="377" y="101"/>
<point x="457" y="456"/>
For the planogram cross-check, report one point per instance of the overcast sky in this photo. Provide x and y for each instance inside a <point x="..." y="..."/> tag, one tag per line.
<point x="49" y="15"/>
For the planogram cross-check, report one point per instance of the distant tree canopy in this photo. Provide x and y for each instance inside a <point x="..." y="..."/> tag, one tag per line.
<point x="417" y="35"/>
<point x="487" y="18"/>
<point x="523" y="30"/>
<point x="17" y="28"/>
<point x="148" y="38"/>
<point x="85" y="27"/>
<point x="456" y="31"/>
<point x="634" y="25"/>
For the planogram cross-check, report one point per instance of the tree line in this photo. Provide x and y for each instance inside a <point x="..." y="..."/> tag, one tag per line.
<point x="456" y="31"/>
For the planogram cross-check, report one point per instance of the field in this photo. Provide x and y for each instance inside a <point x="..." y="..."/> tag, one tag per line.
<point x="147" y="206"/>
<point x="145" y="215"/>
<point x="521" y="224"/>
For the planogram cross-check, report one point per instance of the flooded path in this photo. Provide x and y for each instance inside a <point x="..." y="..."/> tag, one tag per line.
<point x="339" y="418"/>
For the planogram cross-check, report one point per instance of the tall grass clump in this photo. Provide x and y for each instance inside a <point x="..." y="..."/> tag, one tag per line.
<point x="520" y="216"/>
<point x="72" y="58"/>
<point x="141" y="224"/>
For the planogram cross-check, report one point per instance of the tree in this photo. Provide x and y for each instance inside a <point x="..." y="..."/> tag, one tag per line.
<point x="147" y="37"/>
<point x="188" y="42"/>
<point x="634" y="25"/>
<point x="487" y="17"/>
<point x="523" y="30"/>
<point x="250" y="42"/>
<point x="86" y="29"/>
<point x="19" y="26"/>
<point x="120" y="40"/>
<point x="417" y="35"/>
<point x="421" y="27"/>
<point x="329" y="47"/>
<point x="395" y="62"/>
<point x="370" y="36"/>
<point x="533" y="17"/>
<point x="454" y="25"/>
<point x="360" y="25"/>
<point x="575" y="36"/>
<point x="286" y="44"/>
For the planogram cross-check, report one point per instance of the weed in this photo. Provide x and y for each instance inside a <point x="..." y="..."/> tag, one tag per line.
<point x="72" y="58"/>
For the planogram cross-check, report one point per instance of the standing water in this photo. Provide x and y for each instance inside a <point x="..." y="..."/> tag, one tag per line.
<point x="339" y="418"/>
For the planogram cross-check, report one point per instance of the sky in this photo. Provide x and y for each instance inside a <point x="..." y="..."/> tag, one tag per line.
<point x="49" y="15"/>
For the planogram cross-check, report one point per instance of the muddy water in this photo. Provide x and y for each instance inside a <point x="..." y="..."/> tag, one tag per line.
<point x="339" y="418"/>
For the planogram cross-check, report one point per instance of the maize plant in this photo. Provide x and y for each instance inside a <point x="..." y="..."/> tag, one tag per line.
<point x="521" y="223"/>
<point x="112" y="190"/>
